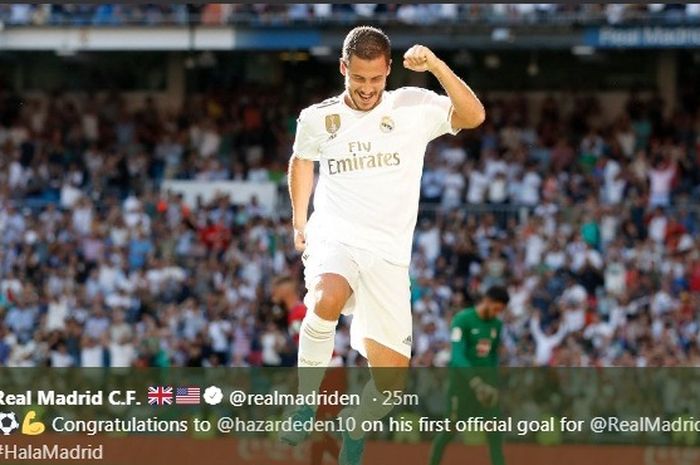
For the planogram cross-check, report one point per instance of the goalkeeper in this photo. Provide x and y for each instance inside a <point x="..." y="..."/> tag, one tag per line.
<point x="472" y="391"/>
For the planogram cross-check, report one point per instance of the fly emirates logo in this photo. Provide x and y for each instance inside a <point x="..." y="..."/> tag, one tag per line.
<point x="362" y="158"/>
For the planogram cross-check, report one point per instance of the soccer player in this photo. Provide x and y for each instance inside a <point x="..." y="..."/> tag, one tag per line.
<point x="370" y="144"/>
<point x="284" y="292"/>
<point x="476" y="336"/>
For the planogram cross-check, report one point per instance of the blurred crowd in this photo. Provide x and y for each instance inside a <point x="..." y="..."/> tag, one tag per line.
<point x="592" y="224"/>
<point x="112" y="14"/>
<point x="590" y="219"/>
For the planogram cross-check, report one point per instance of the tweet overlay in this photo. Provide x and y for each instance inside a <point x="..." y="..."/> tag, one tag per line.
<point x="409" y="416"/>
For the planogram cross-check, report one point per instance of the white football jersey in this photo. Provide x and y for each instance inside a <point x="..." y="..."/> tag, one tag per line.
<point x="370" y="167"/>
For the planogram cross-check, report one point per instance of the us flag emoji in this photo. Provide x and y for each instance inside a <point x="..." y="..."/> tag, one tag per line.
<point x="187" y="395"/>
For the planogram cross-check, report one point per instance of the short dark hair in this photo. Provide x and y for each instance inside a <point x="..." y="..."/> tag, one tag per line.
<point x="367" y="43"/>
<point x="280" y="280"/>
<point x="498" y="294"/>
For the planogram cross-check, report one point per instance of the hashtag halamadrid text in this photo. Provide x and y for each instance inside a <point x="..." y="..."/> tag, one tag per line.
<point x="50" y="452"/>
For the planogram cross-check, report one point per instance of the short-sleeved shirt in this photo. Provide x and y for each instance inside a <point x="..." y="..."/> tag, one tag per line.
<point x="477" y="338"/>
<point x="370" y="167"/>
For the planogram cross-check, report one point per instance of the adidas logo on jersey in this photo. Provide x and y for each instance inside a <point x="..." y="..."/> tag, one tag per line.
<point x="409" y="340"/>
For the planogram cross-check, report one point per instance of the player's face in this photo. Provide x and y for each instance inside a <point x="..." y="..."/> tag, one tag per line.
<point x="276" y="296"/>
<point x="492" y="308"/>
<point x="365" y="80"/>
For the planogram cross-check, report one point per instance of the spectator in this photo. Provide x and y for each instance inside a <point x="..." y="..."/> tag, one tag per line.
<point x="660" y="182"/>
<point x="545" y="342"/>
<point x="115" y="272"/>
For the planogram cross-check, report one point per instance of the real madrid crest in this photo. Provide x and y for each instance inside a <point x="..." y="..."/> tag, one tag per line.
<point x="386" y="124"/>
<point x="332" y="123"/>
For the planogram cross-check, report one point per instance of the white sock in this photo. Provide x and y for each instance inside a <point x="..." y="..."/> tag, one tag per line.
<point x="316" y="343"/>
<point x="371" y="408"/>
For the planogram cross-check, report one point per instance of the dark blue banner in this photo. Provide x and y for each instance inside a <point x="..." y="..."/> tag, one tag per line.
<point x="643" y="37"/>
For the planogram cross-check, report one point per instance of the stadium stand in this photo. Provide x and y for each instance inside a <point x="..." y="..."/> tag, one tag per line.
<point x="589" y="218"/>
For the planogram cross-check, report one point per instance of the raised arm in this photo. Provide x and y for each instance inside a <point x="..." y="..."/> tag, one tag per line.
<point x="536" y="329"/>
<point x="468" y="111"/>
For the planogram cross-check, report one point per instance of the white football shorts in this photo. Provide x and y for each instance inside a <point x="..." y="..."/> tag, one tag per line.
<point x="380" y="304"/>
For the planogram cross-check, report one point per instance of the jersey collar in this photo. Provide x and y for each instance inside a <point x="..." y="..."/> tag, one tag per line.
<point x="381" y="103"/>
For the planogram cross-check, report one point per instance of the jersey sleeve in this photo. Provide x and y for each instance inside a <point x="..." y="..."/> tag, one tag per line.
<point x="306" y="141"/>
<point x="433" y="110"/>
<point x="438" y="114"/>
<point x="497" y="343"/>
<point x="459" y="331"/>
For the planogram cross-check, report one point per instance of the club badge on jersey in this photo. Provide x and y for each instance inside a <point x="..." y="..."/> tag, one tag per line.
<point x="332" y="124"/>
<point x="387" y="124"/>
<point x="483" y="347"/>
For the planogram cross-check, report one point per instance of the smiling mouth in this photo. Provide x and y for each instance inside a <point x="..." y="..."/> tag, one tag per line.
<point x="365" y="99"/>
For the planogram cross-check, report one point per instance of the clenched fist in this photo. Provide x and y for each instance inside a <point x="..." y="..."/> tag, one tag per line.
<point x="420" y="58"/>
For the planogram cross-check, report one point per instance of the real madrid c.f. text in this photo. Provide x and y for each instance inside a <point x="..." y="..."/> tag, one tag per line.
<point x="51" y="397"/>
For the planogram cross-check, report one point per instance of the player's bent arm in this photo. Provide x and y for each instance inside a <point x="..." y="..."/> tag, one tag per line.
<point x="468" y="111"/>
<point x="460" y="363"/>
<point x="301" y="183"/>
<point x="458" y="357"/>
<point x="536" y="330"/>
